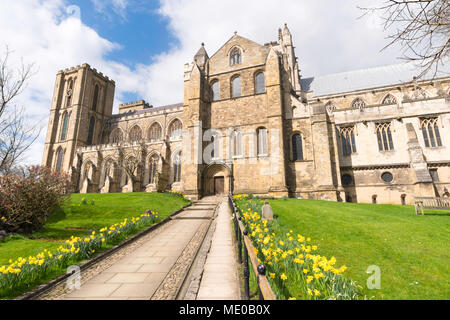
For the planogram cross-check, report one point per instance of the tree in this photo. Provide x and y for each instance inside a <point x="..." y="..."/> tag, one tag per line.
<point x="421" y="28"/>
<point x="16" y="134"/>
<point x="132" y="164"/>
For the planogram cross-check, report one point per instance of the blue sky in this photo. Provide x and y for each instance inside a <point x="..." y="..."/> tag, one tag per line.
<point x="143" y="45"/>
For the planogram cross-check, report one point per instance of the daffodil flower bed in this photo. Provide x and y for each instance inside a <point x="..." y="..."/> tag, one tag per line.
<point x="24" y="272"/>
<point x="295" y="268"/>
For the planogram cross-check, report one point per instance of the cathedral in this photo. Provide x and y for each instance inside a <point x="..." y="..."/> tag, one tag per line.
<point x="250" y="123"/>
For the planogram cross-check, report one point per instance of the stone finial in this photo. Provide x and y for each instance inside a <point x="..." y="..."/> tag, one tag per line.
<point x="267" y="212"/>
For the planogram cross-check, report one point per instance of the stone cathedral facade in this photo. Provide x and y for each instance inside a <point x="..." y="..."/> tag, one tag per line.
<point x="250" y="123"/>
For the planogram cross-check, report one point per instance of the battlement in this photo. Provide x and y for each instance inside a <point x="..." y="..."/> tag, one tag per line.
<point x="134" y="106"/>
<point x="88" y="67"/>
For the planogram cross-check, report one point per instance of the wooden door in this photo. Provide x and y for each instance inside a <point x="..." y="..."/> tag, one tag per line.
<point x="219" y="183"/>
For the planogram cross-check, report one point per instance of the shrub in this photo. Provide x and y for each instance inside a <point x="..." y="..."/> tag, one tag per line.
<point x="28" y="196"/>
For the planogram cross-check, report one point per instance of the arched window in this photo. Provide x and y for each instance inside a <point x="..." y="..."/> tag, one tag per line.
<point x="155" y="132"/>
<point x="91" y="131"/>
<point x="95" y="101"/>
<point x="236" y="87"/>
<point x="59" y="159"/>
<point x="153" y="169"/>
<point x="358" y="103"/>
<point x="297" y="147"/>
<point x="116" y="136"/>
<point x="176" y="130"/>
<point x="237" y="143"/>
<point x="384" y="137"/>
<point x="389" y="99"/>
<point x="215" y="90"/>
<point x="260" y="83"/>
<point x="430" y="132"/>
<point x="235" y="57"/>
<point x="262" y="141"/>
<point x="69" y="93"/>
<point x="135" y="134"/>
<point x="403" y="199"/>
<point x="107" y="173"/>
<point x="177" y="167"/>
<point x="348" y="140"/>
<point x="64" y="127"/>
<point x="374" y="199"/>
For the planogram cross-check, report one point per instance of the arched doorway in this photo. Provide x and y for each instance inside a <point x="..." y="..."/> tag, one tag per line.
<point x="216" y="179"/>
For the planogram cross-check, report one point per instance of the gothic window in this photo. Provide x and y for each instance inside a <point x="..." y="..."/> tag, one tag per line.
<point x="403" y="199"/>
<point x="177" y="167"/>
<point x="64" y="127"/>
<point x="430" y="132"/>
<point x="59" y="159"/>
<point x="155" y="132"/>
<point x="347" y="180"/>
<point x="91" y="131"/>
<point x="135" y="134"/>
<point x="389" y="99"/>
<point x="262" y="141"/>
<point x="116" y="136"/>
<point x="95" y="101"/>
<point x="176" y="130"/>
<point x="215" y="144"/>
<point x="153" y="168"/>
<point x="358" y="103"/>
<point x="434" y="175"/>
<point x="297" y="148"/>
<point x="235" y="57"/>
<point x="109" y="165"/>
<point x="374" y="199"/>
<point x="237" y="143"/>
<point x="69" y="93"/>
<point x="260" y="84"/>
<point x="348" y="140"/>
<point x="236" y="87"/>
<point x="215" y="90"/>
<point x="384" y="137"/>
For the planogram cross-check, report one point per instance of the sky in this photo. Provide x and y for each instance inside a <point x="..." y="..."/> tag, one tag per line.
<point x="144" y="44"/>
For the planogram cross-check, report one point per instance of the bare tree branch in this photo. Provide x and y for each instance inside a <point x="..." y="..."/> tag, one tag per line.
<point x="420" y="27"/>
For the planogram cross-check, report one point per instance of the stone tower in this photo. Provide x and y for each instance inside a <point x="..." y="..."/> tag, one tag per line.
<point x="81" y="106"/>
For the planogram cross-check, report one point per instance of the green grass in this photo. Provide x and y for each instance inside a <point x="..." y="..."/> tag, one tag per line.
<point x="412" y="251"/>
<point x="77" y="219"/>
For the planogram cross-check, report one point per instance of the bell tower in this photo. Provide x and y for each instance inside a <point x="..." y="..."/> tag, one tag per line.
<point x="81" y="106"/>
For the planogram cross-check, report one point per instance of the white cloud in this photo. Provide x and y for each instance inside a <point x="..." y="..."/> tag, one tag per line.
<point x="118" y="6"/>
<point x="327" y="35"/>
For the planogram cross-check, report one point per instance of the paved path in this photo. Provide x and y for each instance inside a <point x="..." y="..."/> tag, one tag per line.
<point x="143" y="274"/>
<point x="220" y="276"/>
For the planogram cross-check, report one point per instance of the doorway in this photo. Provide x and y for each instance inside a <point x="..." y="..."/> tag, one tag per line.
<point x="219" y="185"/>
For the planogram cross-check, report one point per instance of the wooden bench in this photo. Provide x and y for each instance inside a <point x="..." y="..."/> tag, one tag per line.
<point x="422" y="203"/>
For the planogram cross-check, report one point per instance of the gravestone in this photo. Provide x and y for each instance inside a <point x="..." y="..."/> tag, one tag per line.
<point x="267" y="212"/>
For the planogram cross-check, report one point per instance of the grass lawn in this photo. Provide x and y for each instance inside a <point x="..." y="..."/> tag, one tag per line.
<point x="75" y="218"/>
<point x="411" y="251"/>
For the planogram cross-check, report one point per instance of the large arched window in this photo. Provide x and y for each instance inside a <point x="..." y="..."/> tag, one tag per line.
<point x="215" y="90"/>
<point x="95" y="101"/>
<point x="236" y="87"/>
<point x="260" y="83"/>
<point x="59" y="159"/>
<point x="177" y="167"/>
<point x="135" y="134"/>
<point x="116" y="136"/>
<point x="389" y="99"/>
<point x="91" y="131"/>
<point x="237" y="143"/>
<point x="154" y="132"/>
<point x="153" y="168"/>
<point x="358" y="103"/>
<point x="64" y="127"/>
<point x="384" y="137"/>
<point x="235" y="57"/>
<point x="297" y="147"/>
<point x="175" y="130"/>
<point x="430" y="132"/>
<point x="262" y="141"/>
<point x="348" y="140"/>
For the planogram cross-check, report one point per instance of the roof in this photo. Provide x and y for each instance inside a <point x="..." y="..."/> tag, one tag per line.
<point x="368" y="78"/>
<point x="149" y="110"/>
